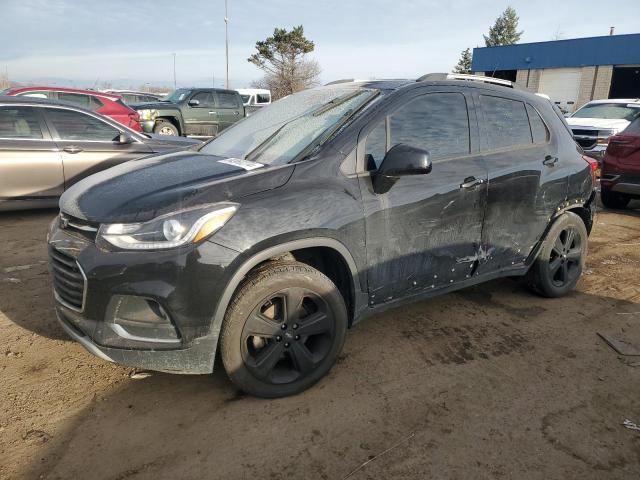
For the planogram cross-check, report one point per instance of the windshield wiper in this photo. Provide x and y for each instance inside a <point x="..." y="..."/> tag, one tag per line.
<point x="335" y="102"/>
<point x="256" y="151"/>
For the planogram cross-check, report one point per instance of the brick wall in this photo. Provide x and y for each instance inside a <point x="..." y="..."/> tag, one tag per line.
<point x="595" y="84"/>
<point x="530" y="76"/>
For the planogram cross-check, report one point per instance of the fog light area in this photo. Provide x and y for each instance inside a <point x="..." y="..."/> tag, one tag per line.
<point x="142" y="319"/>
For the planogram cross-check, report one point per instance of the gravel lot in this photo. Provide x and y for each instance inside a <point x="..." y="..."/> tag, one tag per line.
<point x="488" y="382"/>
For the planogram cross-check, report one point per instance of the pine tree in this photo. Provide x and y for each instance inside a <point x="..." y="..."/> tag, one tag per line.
<point x="504" y="30"/>
<point x="464" y="64"/>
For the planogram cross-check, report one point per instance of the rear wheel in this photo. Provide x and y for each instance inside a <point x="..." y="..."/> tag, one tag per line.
<point x="283" y="330"/>
<point x="613" y="199"/>
<point x="561" y="259"/>
<point x="165" y="127"/>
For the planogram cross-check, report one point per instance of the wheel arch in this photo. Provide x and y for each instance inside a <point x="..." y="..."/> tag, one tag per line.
<point x="175" y="121"/>
<point x="308" y="251"/>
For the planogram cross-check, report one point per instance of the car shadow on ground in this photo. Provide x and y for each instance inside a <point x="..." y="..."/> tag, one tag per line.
<point x="517" y="382"/>
<point x="26" y="295"/>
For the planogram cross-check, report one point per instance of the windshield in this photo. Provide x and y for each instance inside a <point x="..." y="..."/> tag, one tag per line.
<point x="278" y="133"/>
<point x="611" y="111"/>
<point x="177" y="95"/>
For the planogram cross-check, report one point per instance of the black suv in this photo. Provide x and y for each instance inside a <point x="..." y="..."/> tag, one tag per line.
<point x="271" y="240"/>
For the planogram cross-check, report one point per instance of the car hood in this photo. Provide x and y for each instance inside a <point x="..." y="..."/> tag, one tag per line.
<point x="140" y="190"/>
<point x="154" y="106"/>
<point x="598" y="123"/>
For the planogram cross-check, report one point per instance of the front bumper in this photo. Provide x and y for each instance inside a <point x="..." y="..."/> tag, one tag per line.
<point x="147" y="125"/>
<point x="195" y="359"/>
<point x="622" y="183"/>
<point x="186" y="283"/>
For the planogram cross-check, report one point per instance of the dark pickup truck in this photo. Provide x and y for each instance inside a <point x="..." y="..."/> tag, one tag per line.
<point x="201" y="112"/>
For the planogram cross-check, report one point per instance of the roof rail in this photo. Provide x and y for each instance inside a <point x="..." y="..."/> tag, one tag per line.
<point x="434" y="77"/>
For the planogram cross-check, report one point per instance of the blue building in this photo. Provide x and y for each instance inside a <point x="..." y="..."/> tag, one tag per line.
<point x="572" y="72"/>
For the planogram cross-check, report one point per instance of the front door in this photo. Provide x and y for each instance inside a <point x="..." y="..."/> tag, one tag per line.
<point x="425" y="232"/>
<point x="30" y="163"/>
<point x="88" y="144"/>
<point x="201" y="115"/>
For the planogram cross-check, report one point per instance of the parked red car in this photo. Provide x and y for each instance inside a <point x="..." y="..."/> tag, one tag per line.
<point x="620" y="180"/>
<point x="106" y="104"/>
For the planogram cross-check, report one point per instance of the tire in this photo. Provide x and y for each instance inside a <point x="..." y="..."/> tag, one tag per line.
<point x="269" y="348"/>
<point x="613" y="200"/>
<point x="559" y="264"/>
<point x="165" y="127"/>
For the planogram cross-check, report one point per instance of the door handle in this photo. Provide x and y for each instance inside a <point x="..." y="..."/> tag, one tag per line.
<point x="236" y="113"/>
<point x="212" y="113"/>
<point x="550" y="161"/>
<point x="471" y="182"/>
<point x="72" y="149"/>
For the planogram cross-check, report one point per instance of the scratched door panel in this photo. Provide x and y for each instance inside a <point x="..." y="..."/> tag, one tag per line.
<point x="425" y="232"/>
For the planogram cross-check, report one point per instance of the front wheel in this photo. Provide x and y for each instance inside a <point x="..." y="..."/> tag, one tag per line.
<point x="164" y="127"/>
<point x="561" y="259"/>
<point x="283" y="330"/>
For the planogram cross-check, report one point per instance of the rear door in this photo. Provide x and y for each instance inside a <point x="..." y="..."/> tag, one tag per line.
<point x="527" y="179"/>
<point x="201" y="119"/>
<point x="88" y="144"/>
<point x="425" y="232"/>
<point x="229" y="108"/>
<point x="30" y="163"/>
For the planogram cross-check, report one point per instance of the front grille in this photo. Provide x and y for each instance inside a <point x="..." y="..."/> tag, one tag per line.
<point x="586" y="143"/>
<point x="85" y="229"/>
<point x="69" y="282"/>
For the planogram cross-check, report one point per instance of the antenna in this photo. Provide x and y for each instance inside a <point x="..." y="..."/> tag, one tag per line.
<point x="226" y="41"/>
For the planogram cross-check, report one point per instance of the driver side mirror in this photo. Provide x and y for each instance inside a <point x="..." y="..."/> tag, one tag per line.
<point x="124" y="138"/>
<point x="194" y="103"/>
<point x="399" y="161"/>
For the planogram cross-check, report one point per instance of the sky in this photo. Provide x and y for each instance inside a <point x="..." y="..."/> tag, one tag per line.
<point x="130" y="43"/>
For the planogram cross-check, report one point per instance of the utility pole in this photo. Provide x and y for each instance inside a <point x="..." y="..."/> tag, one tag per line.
<point x="226" y="41"/>
<point x="174" y="72"/>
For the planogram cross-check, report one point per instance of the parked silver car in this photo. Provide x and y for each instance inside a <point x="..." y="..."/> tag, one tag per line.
<point x="46" y="147"/>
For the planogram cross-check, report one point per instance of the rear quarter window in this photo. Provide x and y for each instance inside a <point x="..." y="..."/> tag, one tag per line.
<point x="506" y="123"/>
<point x="228" y="100"/>
<point x="539" y="130"/>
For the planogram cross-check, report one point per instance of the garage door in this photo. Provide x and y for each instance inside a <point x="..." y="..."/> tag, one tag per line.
<point x="562" y="85"/>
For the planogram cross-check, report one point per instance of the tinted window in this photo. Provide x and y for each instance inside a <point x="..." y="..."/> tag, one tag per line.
<point x="538" y="128"/>
<point x="263" y="98"/>
<point x="437" y="122"/>
<point x="205" y="99"/>
<point x="376" y="146"/>
<point x="79" y="126"/>
<point x="95" y="103"/>
<point x="227" y="100"/>
<point x="76" y="98"/>
<point x="19" y="123"/>
<point x="506" y="122"/>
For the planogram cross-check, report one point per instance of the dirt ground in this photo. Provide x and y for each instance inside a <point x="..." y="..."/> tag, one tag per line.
<point x="489" y="382"/>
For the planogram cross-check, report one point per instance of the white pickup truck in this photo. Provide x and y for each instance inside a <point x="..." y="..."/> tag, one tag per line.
<point x="596" y="121"/>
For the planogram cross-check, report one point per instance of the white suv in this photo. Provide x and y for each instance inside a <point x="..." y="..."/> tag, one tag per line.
<point x="596" y="121"/>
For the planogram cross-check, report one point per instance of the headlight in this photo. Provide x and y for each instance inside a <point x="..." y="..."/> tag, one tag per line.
<point x="169" y="231"/>
<point x="147" y="114"/>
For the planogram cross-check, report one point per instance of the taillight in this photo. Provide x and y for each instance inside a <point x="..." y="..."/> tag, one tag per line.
<point x="593" y="163"/>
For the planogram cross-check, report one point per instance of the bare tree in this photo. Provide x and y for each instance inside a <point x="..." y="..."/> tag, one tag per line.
<point x="282" y="58"/>
<point x="4" y="80"/>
